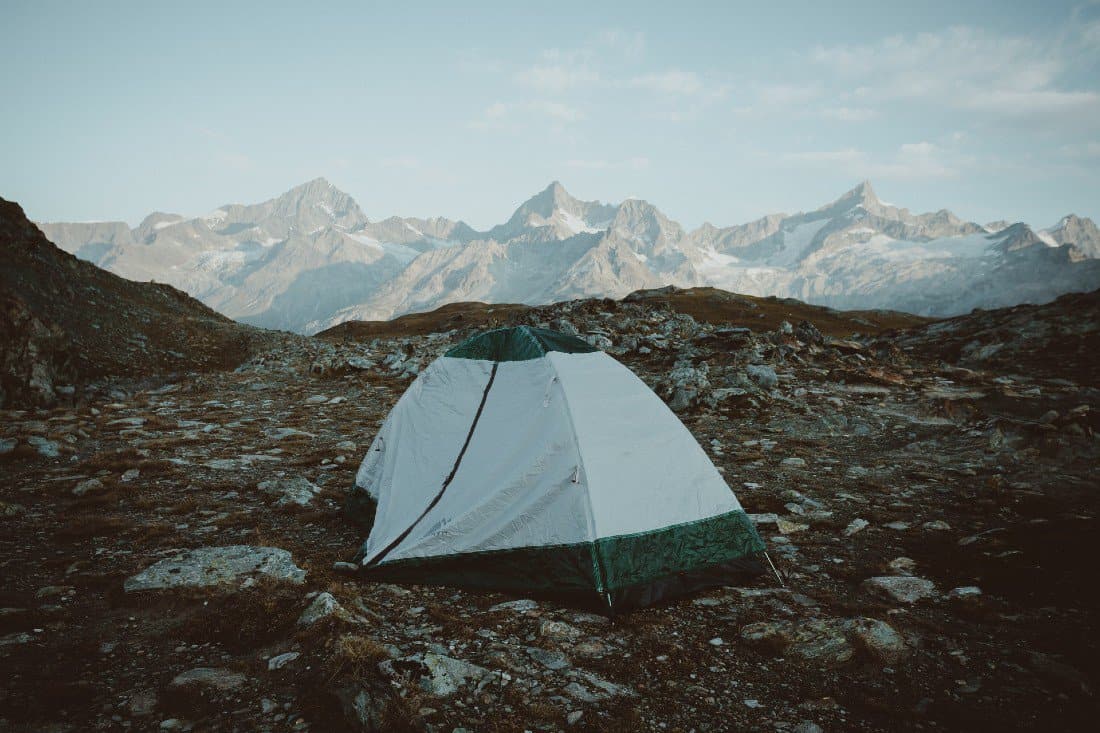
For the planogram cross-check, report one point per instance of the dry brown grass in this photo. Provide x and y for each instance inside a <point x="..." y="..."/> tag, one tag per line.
<point x="356" y="657"/>
<point x="243" y="620"/>
<point x="96" y="525"/>
<point x="189" y="505"/>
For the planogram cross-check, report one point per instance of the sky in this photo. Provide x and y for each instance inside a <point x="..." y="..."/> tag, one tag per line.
<point x="717" y="112"/>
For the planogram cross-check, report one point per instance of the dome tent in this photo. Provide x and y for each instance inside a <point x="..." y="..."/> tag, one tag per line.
<point x="527" y="461"/>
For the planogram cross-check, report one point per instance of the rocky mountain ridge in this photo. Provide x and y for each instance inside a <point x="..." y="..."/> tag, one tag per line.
<point x="311" y="258"/>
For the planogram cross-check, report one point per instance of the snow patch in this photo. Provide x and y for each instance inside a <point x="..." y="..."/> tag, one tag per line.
<point x="795" y="242"/>
<point x="1046" y="239"/>
<point x="574" y="223"/>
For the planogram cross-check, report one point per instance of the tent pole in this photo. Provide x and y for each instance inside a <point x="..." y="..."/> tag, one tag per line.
<point x="775" y="569"/>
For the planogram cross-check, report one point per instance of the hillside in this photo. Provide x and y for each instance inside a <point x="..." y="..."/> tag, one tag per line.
<point x="706" y="305"/>
<point x="65" y="322"/>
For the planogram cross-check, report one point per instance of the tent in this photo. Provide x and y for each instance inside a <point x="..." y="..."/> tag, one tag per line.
<point x="528" y="461"/>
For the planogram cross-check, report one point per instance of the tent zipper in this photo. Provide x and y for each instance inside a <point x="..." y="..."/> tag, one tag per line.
<point x="447" y="482"/>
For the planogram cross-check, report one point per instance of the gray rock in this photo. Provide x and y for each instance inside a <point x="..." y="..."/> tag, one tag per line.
<point x="793" y="461"/>
<point x="856" y="525"/>
<point x="553" y="660"/>
<point x="762" y="375"/>
<point x="822" y="641"/>
<point x="438" y="675"/>
<point x="8" y="509"/>
<point x="19" y="637"/>
<point x="129" y="475"/>
<point x="281" y="660"/>
<point x="880" y="640"/>
<point x="45" y="448"/>
<point x="521" y="606"/>
<point x="964" y="592"/>
<point x="212" y="566"/>
<point x="559" y="631"/>
<point x="295" y="491"/>
<point x="281" y="433"/>
<point x="7" y="445"/>
<point x="325" y="606"/>
<point x="901" y="588"/>
<point x="902" y="566"/>
<point x="212" y="677"/>
<point x="808" y="726"/>
<point x="143" y="703"/>
<point x="88" y="486"/>
<point x="359" y="362"/>
<point x="596" y="689"/>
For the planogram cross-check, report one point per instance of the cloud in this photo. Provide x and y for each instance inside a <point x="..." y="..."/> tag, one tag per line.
<point x="960" y="67"/>
<point x="849" y="114"/>
<point x="910" y="161"/>
<point x="556" y="79"/>
<point x="628" y="44"/>
<point x="236" y="161"/>
<point x="636" y="163"/>
<point x="669" y="82"/>
<point x="515" y="115"/>
<point x="403" y="162"/>
<point x="587" y="164"/>
<point x="557" y="110"/>
<point x="848" y="155"/>
<point x="787" y="94"/>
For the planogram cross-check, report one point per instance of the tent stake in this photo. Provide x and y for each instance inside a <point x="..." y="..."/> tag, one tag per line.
<point x="774" y="569"/>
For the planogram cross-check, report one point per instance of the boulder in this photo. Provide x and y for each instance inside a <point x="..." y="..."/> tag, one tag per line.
<point x="295" y="491"/>
<point x="880" y="640"/>
<point x="900" y="588"/>
<point x="438" y="675"/>
<point x="325" y="606"/>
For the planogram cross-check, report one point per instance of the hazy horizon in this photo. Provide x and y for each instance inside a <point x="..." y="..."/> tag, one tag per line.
<point x="719" y="115"/>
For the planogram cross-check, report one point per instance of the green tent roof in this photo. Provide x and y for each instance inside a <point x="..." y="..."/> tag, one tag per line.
<point x="518" y="344"/>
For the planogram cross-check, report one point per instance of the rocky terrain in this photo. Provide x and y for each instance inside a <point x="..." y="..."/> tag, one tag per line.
<point x="172" y="545"/>
<point x="311" y="259"/>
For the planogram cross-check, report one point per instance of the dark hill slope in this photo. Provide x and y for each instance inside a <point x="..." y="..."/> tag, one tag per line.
<point x="64" y="322"/>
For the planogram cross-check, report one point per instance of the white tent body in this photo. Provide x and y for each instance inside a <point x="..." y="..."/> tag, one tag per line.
<point x="482" y="458"/>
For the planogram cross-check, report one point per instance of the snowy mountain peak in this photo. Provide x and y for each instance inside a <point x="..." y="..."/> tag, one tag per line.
<point x="318" y="203"/>
<point x="1079" y="231"/>
<point x="557" y="214"/>
<point x="862" y="195"/>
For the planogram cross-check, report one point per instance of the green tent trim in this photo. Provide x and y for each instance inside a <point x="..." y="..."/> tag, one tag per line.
<point x="519" y="343"/>
<point x="610" y="571"/>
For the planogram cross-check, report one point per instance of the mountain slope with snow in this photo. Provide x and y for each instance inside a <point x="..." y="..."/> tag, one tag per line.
<point x="311" y="258"/>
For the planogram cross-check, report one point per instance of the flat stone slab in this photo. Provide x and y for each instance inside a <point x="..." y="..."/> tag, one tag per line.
<point x="901" y="588"/>
<point x="439" y="675"/>
<point x="211" y="566"/>
<point x="217" y="678"/>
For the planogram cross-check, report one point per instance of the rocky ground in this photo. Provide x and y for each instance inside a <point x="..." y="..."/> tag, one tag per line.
<point x="170" y="550"/>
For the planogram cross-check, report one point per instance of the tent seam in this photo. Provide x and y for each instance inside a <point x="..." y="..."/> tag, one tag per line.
<point x="580" y="459"/>
<point x="447" y="482"/>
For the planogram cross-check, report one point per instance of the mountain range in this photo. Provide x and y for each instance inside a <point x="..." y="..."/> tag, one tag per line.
<point x="310" y="258"/>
